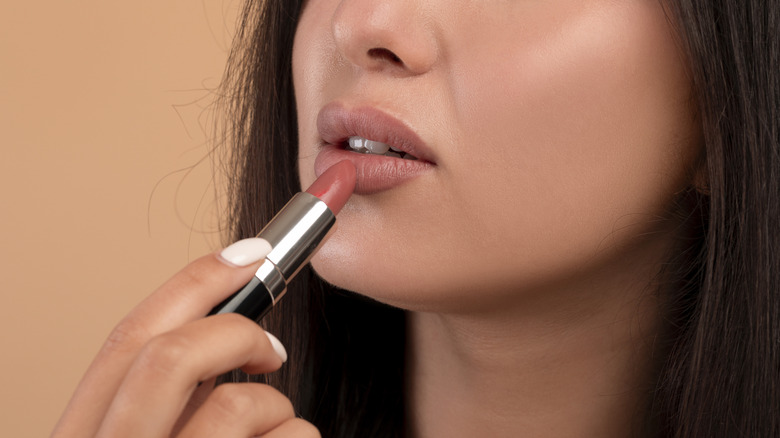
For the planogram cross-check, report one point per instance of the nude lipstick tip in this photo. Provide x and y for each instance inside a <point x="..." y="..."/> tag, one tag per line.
<point x="335" y="185"/>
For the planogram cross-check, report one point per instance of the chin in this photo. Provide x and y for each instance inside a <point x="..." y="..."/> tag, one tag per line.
<point x="381" y="285"/>
<point x="412" y="286"/>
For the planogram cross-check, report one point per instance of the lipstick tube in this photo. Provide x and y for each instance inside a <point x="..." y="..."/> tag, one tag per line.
<point x="295" y="234"/>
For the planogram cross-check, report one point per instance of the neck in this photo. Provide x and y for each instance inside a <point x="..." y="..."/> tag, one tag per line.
<point x="571" y="362"/>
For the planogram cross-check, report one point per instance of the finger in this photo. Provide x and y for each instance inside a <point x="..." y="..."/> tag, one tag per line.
<point x="197" y="288"/>
<point x="165" y="374"/>
<point x="294" y="427"/>
<point x="195" y="401"/>
<point x="239" y="410"/>
<point x="187" y="296"/>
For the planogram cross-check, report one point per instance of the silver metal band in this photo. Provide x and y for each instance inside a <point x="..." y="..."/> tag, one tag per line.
<point x="294" y="233"/>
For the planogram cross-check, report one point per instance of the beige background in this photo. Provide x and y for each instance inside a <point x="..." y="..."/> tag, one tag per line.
<point x="101" y="103"/>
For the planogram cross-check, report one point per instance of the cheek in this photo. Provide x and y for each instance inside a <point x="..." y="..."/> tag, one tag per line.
<point x="589" y="133"/>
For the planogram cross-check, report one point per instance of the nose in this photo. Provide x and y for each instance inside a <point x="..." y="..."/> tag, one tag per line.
<point x="380" y="35"/>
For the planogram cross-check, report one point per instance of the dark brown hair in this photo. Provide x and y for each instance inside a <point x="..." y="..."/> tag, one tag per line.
<point x="721" y="376"/>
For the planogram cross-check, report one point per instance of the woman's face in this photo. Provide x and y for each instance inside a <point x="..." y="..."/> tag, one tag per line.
<point x="553" y="136"/>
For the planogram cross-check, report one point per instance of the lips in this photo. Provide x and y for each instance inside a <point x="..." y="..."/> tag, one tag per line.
<point x="375" y="173"/>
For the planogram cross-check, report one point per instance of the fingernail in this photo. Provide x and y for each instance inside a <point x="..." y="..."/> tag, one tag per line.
<point x="278" y="347"/>
<point x="246" y="251"/>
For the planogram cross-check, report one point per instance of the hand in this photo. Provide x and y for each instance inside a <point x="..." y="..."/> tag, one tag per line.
<point x="146" y="379"/>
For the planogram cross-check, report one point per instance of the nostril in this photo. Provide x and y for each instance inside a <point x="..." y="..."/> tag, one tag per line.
<point x="384" y="54"/>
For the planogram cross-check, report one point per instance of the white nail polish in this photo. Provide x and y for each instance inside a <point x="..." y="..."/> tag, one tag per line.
<point x="246" y="251"/>
<point x="278" y="347"/>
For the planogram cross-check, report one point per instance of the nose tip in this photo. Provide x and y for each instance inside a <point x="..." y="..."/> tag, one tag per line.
<point x="378" y="35"/>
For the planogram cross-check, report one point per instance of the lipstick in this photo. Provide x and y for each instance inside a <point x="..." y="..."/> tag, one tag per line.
<point x="295" y="234"/>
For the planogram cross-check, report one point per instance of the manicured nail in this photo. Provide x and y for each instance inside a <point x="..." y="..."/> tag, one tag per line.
<point x="278" y="347"/>
<point x="246" y="251"/>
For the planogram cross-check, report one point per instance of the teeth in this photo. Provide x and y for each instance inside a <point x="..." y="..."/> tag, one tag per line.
<point x="361" y="144"/>
<point x="376" y="147"/>
<point x="366" y="146"/>
<point x="356" y="143"/>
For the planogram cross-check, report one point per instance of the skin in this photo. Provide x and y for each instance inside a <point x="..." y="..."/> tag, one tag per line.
<point x="563" y="135"/>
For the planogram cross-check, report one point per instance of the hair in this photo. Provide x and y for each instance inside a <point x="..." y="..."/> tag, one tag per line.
<point x="721" y="375"/>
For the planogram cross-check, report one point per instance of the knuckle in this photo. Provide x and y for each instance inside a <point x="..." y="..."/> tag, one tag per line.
<point x="233" y="400"/>
<point x="126" y="336"/>
<point x="282" y="405"/>
<point x="165" y="353"/>
<point x="289" y="409"/>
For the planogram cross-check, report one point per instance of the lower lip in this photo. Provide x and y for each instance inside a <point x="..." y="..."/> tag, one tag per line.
<point x="375" y="173"/>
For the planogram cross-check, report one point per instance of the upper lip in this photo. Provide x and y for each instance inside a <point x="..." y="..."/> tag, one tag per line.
<point x="336" y="123"/>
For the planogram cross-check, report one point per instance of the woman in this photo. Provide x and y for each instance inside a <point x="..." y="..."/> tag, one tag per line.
<point x="583" y="243"/>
